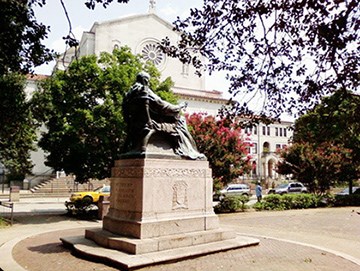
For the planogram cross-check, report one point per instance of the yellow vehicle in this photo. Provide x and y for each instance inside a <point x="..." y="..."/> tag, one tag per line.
<point x="91" y="196"/>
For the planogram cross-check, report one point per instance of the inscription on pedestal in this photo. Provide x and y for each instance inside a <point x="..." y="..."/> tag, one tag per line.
<point x="125" y="192"/>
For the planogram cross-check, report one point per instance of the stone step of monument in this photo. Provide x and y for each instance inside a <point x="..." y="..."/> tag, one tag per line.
<point x="141" y="246"/>
<point x="87" y="249"/>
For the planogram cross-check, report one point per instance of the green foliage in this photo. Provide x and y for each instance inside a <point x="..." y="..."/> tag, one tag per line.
<point x="17" y="132"/>
<point x="347" y="200"/>
<point x="81" y="109"/>
<point x="221" y="142"/>
<point x="3" y="223"/>
<point x="21" y="37"/>
<point x="318" y="167"/>
<point x="232" y="204"/>
<point x="81" y="207"/>
<point x="326" y="149"/>
<point x="327" y="200"/>
<point x="288" y="201"/>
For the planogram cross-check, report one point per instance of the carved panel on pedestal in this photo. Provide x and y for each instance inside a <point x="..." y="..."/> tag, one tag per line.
<point x="180" y="200"/>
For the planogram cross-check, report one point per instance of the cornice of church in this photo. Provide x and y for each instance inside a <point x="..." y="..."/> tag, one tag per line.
<point x="36" y="77"/>
<point x="213" y="96"/>
<point x="136" y="17"/>
<point x="202" y="99"/>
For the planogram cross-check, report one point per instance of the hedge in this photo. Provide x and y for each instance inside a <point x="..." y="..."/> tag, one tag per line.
<point x="289" y="201"/>
<point x="232" y="204"/>
<point x="347" y="200"/>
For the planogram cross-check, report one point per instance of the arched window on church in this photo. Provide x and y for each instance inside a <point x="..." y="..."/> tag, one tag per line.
<point x="185" y="69"/>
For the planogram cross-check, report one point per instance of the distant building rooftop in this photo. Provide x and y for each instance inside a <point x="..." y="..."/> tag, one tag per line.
<point x="194" y="94"/>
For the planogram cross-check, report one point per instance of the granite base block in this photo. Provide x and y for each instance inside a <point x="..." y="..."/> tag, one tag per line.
<point x="90" y="250"/>
<point x="141" y="246"/>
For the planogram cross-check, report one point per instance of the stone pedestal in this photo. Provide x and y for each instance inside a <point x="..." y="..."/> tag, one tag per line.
<point x="160" y="210"/>
<point x="156" y="197"/>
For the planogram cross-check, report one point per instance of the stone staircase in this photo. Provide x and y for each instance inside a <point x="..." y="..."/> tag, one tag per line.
<point x="64" y="186"/>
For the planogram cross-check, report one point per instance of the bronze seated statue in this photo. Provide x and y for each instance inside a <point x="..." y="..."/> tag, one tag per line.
<point x="153" y="121"/>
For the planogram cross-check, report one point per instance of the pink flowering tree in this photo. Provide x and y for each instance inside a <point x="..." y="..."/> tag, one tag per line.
<point x="221" y="141"/>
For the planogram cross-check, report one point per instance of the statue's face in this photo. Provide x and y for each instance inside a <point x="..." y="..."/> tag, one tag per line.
<point x="143" y="78"/>
<point x="146" y="80"/>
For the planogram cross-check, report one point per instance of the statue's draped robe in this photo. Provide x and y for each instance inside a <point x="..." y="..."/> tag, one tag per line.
<point x="145" y="112"/>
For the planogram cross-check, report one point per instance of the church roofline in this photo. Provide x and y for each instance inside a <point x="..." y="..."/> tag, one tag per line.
<point x="200" y="95"/>
<point x="36" y="77"/>
<point x="132" y="18"/>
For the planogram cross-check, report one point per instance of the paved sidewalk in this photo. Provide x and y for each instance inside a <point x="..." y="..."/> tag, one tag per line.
<point x="53" y="205"/>
<point x="320" y="239"/>
<point x="335" y="230"/>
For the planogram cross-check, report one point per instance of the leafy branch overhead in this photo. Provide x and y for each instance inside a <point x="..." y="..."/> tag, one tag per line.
<point x="21" y="37"/>
<point x="91" y="4"/>
<point x="289" y="53"/>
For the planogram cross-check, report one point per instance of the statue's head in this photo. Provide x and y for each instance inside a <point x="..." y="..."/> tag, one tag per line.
<point x="143" y="78"/>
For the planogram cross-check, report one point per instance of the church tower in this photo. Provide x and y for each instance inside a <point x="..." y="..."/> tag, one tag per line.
<point x="152" y="6"/>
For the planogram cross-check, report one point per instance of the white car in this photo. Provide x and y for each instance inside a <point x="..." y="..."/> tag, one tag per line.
<point x="285" y="188"/>
<point x="235" y="190"/>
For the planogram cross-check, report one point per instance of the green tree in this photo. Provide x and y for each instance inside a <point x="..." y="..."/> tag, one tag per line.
<point x="220" y="140"/>
<point x="81" y="109"/>
<point x="332" y="126"/>
<point x="21" y="37"/>
<point x="17" y="132"/>
<point x="21" y="49"/>
<point x="318" y="166"/>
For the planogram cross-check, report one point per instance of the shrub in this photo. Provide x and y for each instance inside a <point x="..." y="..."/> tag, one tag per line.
<point x="79" y="207"/>
<point x="304" y="201"/>
<point x="287" y="202"/>
<point x="3" y="223"/>
<point x="232" y="204"/>
<point x="347" y="200"/>
<point x="275" y="202"/>
<point x="326" y="200"/>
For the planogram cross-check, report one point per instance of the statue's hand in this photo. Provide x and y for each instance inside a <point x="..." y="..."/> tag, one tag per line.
<point x="149" y="125"/>
<point x="183" y="105"/>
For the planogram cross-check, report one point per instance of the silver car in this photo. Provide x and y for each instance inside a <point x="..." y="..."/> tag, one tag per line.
<point x="235" y="190"/>
<point x="345" y="192"/>
<point x="294" y="187"/>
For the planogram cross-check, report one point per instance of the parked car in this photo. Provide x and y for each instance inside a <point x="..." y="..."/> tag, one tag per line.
<point x="233" y="189"/>
<point x="91" y="196"/>
<point x="355" y="190"/>
<point x="293" y="187"/>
